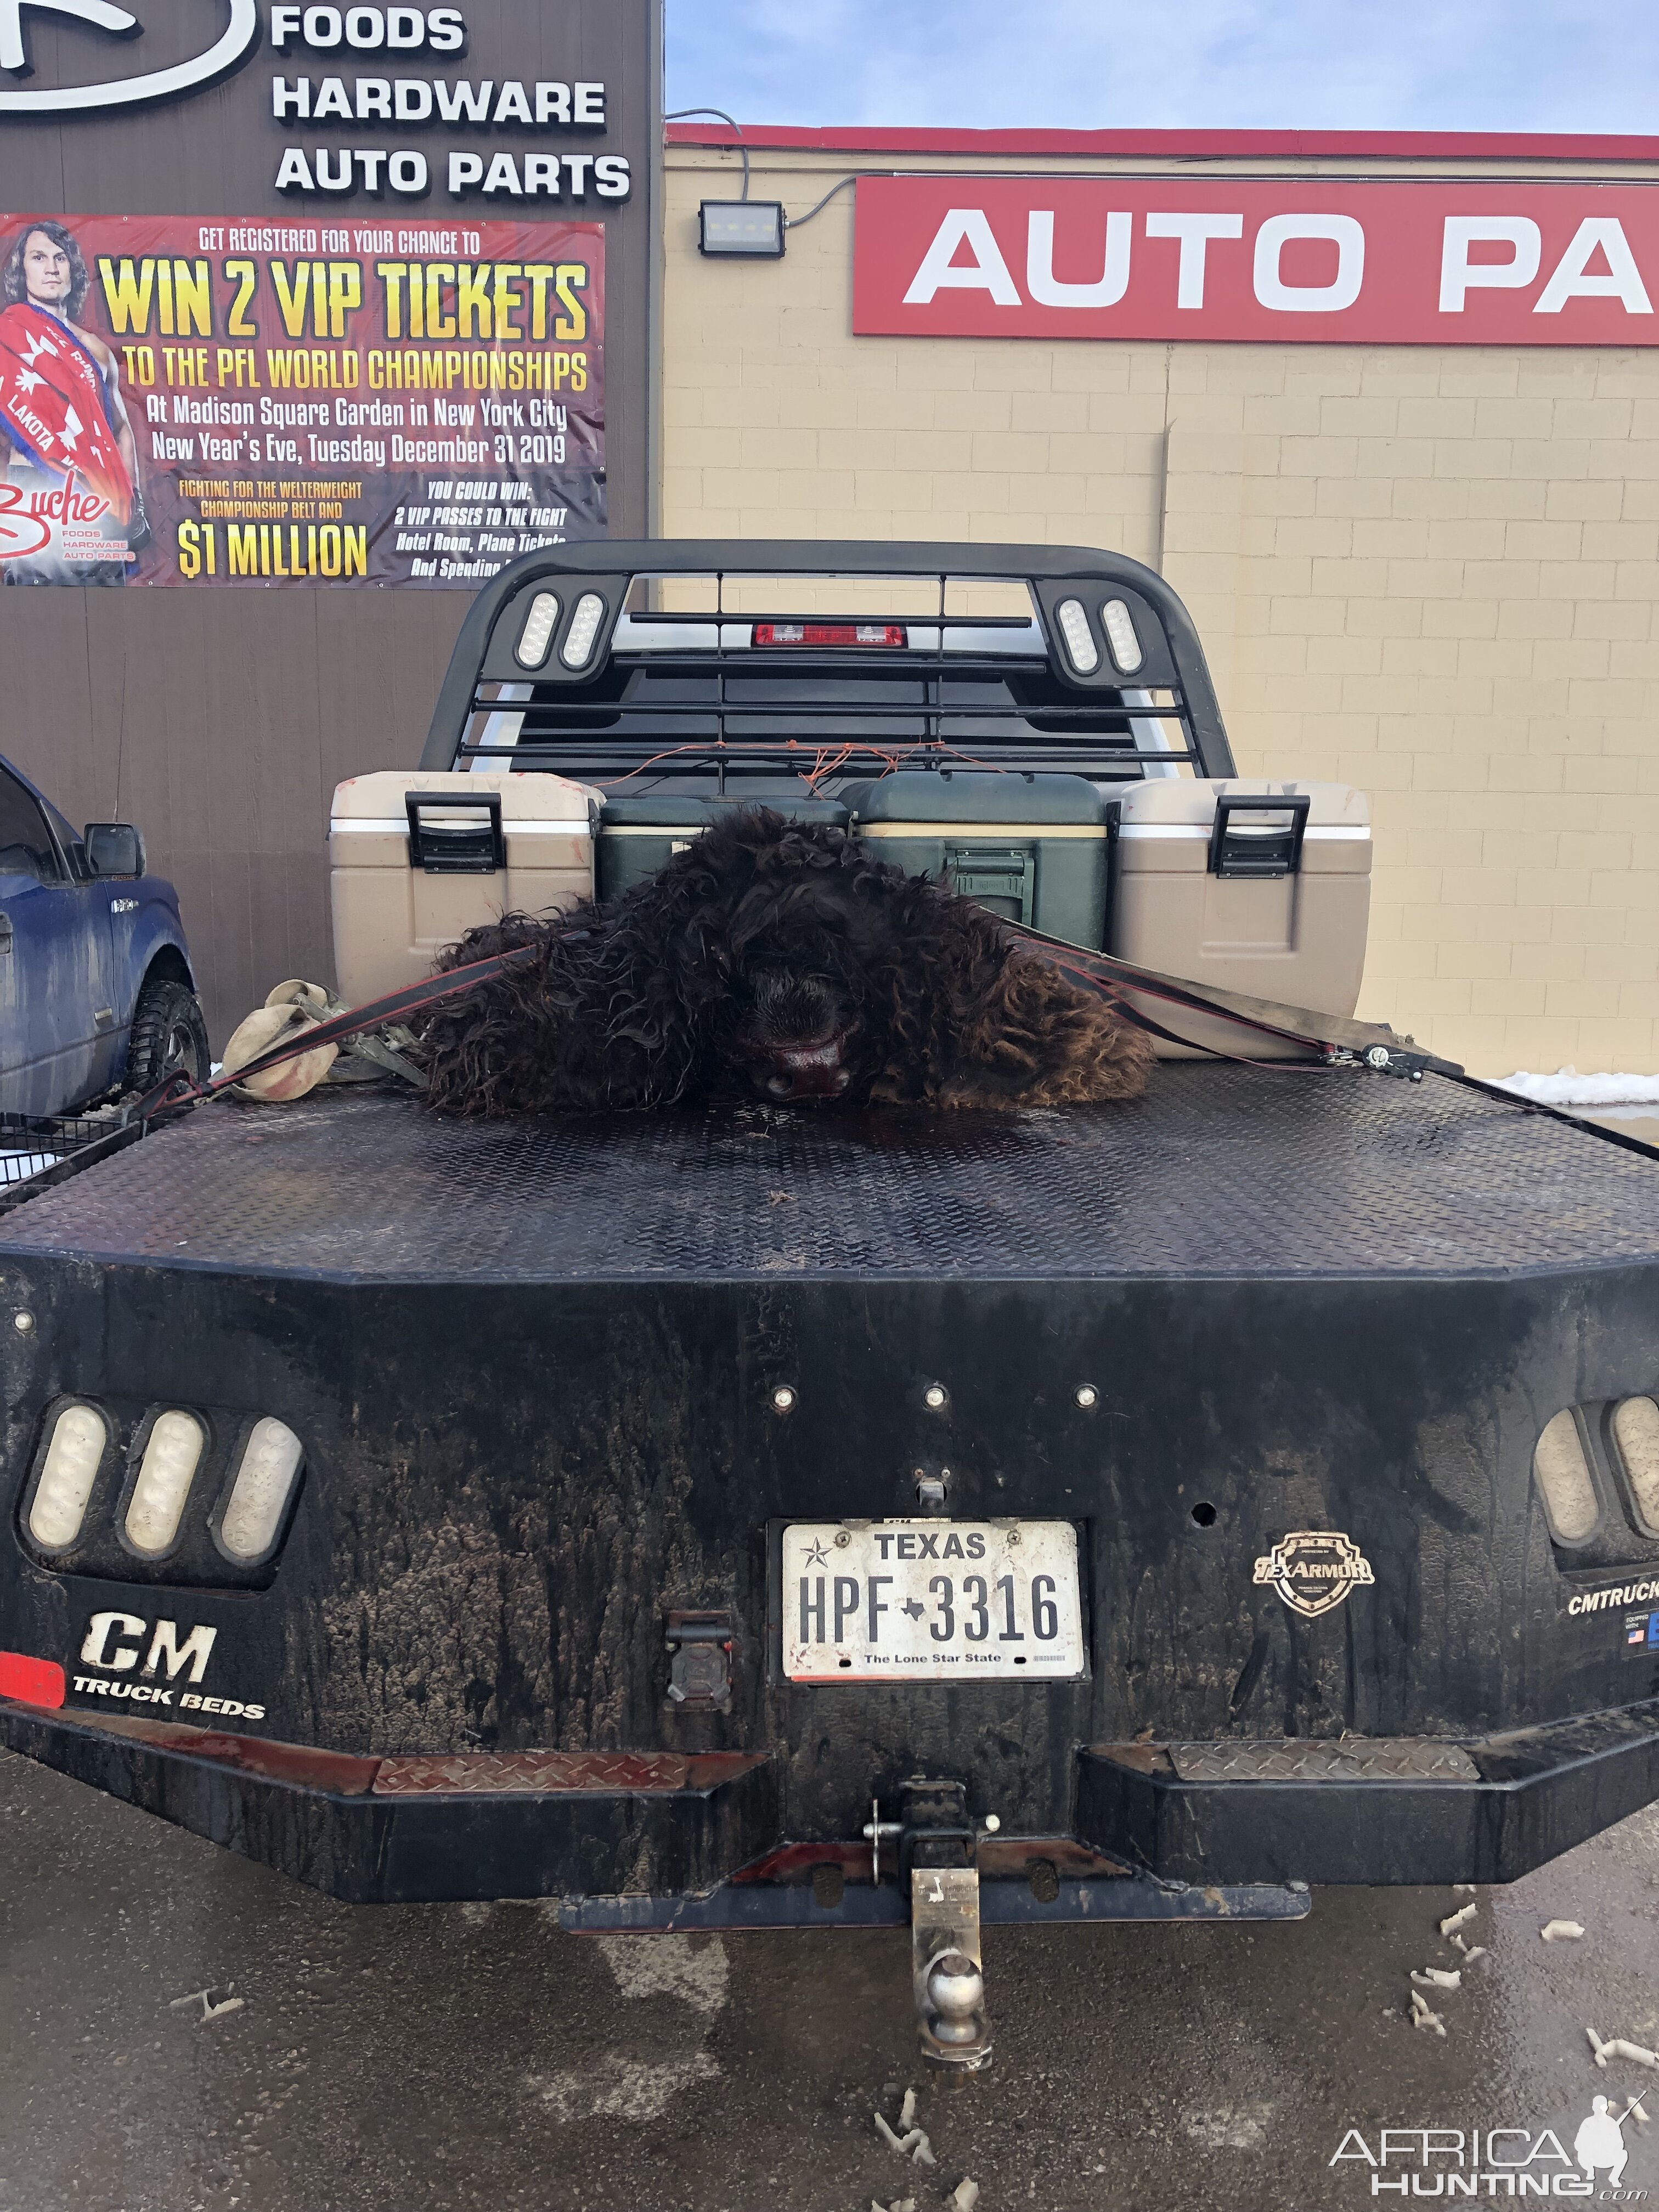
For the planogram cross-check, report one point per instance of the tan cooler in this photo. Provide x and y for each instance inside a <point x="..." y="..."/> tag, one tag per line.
<point x="1246" y="885"/>
<point x="414" y="859"/>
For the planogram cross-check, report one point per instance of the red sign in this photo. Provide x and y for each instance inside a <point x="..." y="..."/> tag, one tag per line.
<point x="1326" y="261"/>
<point x="368" y="400"/>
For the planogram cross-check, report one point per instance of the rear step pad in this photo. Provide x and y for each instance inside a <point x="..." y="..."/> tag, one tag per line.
<point x="408" y="1830"/>
<point x="1373" y="1809"/>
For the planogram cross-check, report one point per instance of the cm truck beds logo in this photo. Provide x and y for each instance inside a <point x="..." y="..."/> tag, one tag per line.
<point x="105" y="1646"/>
<point x="147" y="1664"/>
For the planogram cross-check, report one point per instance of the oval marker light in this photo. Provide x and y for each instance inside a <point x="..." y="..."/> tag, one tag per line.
<point x="1635" y="1432"/>
<point x="1119" y="626"/>
<point x="260" y="1493"/>
<point x="73" y="1458"/>
<point x="1080" y="647"/>
<point x="578" y="647"/>
<point x="538" y="632"/>
<point x="172" y="1456"/>
<point x="1564" y="1480"/>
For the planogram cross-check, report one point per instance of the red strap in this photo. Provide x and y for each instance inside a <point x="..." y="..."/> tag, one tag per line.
<point x="1116" y="995"/>
<point x="413" y="999"/>
<point x="1140" y="1021"/>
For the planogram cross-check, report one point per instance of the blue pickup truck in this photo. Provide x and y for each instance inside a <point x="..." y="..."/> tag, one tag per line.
<point x="96" y="992"/>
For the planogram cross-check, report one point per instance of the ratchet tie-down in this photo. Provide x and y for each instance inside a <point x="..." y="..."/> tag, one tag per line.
<point x="1326" y="1040"/>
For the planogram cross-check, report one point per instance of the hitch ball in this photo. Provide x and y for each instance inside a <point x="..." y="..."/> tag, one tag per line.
<point x="956" y="1990"/>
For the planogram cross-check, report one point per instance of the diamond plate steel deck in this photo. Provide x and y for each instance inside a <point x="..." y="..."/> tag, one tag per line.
<point x="1218" y="1171"/>
<point x="1378" y="1758"/>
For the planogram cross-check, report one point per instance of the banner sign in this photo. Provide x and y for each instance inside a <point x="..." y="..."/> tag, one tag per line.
<point x="1326" y="261"/>
<point x="259" y="402"/>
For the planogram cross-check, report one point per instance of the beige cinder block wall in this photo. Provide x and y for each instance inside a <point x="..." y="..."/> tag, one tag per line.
<point x="1433" y="573"/>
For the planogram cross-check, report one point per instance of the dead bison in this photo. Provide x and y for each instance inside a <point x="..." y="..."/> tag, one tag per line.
<point x="775" y="959"/>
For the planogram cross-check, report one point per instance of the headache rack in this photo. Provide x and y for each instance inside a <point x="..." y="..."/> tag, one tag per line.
<point x="663" y="662"/>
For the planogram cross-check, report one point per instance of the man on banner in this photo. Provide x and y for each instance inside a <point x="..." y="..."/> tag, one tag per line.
<point x="72" y="505"/>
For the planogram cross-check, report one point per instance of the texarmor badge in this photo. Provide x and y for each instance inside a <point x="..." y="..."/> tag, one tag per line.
<point x="1313" y="1570"/>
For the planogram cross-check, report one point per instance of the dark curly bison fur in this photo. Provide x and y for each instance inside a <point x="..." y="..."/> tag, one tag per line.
<point x="776" y="959"/>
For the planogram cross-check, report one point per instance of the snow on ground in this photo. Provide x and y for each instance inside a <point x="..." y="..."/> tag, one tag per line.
<point x="1566" y="1087"/>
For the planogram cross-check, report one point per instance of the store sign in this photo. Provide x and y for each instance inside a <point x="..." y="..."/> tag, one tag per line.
<point x="1326" y="261"/>
<point x="538" y="114"/>
<point x="351" y="72"/>
<point x="146" y="82"/>
<point x="402" y="340"/>
<point x="253" y="401"/>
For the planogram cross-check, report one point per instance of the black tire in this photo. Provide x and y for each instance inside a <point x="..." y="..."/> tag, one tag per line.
<point x="169" y="1036"/>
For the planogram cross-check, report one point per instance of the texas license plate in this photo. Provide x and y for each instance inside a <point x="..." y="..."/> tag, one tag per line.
<point x="931" y="1600"/>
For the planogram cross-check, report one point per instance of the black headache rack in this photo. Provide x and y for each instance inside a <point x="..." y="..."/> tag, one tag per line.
<point x="584" y="659"/>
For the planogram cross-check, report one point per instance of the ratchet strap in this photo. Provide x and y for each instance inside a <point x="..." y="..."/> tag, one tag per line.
<point x="1328" y="1038"/>
<point x="396" y="1006"/>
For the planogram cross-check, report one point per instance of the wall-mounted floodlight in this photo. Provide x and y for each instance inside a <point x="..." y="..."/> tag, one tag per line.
<point x="747" y="230"/>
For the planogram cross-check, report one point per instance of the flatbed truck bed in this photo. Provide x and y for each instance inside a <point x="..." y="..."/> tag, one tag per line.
<point x="535" y="1364"/>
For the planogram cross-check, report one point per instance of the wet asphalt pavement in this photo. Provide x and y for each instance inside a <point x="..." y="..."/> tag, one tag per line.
<point x="418" y="2059"/>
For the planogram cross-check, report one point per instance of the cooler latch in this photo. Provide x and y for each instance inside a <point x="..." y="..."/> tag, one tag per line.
<point x="456" y="833"/>
<point x="1000" y="877"/>
<point x="1268" y="843"/>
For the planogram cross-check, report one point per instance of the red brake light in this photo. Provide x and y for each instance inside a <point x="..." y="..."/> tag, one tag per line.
<point x="830" y="633"/>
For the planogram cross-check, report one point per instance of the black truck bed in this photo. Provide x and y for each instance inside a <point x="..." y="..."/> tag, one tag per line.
<point x="1219" y="1172"/>
<point x="562" y="1385"/>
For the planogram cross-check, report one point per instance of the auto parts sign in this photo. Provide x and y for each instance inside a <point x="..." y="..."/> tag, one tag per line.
<point x="1323" y="261"/>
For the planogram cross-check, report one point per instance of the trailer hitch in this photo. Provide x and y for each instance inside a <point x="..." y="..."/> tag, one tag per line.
<point x="938" y="1845"/>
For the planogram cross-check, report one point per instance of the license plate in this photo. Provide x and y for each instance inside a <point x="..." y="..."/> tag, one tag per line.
<point x="931" y="1600"/>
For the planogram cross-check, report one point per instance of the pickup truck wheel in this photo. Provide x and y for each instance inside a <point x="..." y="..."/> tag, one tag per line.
<point x="169" y="1036"/>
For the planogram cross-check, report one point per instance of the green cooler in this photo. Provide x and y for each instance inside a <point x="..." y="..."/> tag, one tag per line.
<point x="637" y="835"/>
<point x="1034" y="847"/>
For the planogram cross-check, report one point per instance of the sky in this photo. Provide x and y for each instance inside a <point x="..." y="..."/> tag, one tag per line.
<point x="1588" y="65"/>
